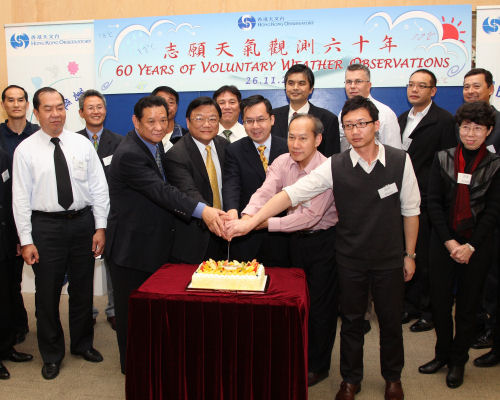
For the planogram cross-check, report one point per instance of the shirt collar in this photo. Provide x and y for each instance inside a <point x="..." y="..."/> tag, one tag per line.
<point x="151" y="147"/>
<point x="90" y="134"/>
<point x="201" y="146"/>
<point x="302" y="110"/>
<point x="356" y="158"/>
<point x="267" y="143"/>
<point x="423" y="113"/>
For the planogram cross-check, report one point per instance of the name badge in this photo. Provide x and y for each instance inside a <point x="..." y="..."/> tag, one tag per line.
<point x="491" y="149"/>
<point x="464" y="179"/>
<point x="107" y="160"/>
<point x="387" y="190"/>
<point x="5" y="175"/>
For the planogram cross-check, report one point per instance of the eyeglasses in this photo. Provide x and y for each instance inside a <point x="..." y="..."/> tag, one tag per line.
<point x="476" y="129"/>
<point x="95" y="108"/>
<point x="198" y="120"/>
<point x="420" y="86"/>
<point x="360" y="125"/>
<point x="258" y="121"/>
<point x="357" y="82"/>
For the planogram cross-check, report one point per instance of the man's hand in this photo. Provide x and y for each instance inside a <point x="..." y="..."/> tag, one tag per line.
<point x="461" y="254"/>
<point x="239" y="227"/>
<point x="18" y="250"/>
<point x="30" y="254"/>
<point x="213" y="217"/>
<point x="409" y="268"/>
<point x="231" y="214"/>
<point x="451" y="245"/>
<point x="98" y="241"/>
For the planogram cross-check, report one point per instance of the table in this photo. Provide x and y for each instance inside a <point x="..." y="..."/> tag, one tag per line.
<point x="205" y="345"/>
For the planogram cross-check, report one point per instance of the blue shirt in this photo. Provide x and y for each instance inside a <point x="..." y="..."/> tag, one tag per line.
<point x="9" y="140"/>
<point x="90" y="134"/>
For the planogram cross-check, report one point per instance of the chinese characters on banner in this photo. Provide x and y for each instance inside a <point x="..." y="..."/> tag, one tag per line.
<point x="253" y="50"/>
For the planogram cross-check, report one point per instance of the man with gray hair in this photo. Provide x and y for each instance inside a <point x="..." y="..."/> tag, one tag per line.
<point x="93" y="110"/>
<point x="357" y="83"/>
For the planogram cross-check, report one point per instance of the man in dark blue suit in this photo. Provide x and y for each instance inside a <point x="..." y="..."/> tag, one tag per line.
<point x="93" y="110"/>
<point x="299" y="85"/>
<point x="245" y="171"/>
<point x="144" y="205"/>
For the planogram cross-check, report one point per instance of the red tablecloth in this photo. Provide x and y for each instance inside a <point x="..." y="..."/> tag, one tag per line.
<point x="200" y="345"/>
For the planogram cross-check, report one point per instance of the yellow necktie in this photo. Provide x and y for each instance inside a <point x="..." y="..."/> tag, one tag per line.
<point x="212" y="176"/>
<point x="262" y="156"/>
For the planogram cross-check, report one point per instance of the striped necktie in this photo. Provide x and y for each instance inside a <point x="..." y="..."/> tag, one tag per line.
<point x="95" y="141"/>
<point x="159" y="163"/>
<point x="227" y="133"/>
<point x="262" y="156"/>
<point x="212" y="177"/>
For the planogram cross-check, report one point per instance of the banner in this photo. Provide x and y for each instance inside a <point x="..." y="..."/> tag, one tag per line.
<point x="59" y="55"/>
<point x="253" y="50"/>
<point x="488" y="45"/>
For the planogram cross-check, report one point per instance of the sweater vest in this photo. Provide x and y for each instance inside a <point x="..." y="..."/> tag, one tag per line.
<point x="370" y="228"/>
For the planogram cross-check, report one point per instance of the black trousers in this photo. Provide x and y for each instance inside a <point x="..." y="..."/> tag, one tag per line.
<point x="6" y="314"/>
<point x="124" y="280"/>
<point x="468" y="279"/>
<point x="64" y="247"/>
<point x="387" y="288"/>
<point x="315" y="254"/>
<point x="417" y="290"/>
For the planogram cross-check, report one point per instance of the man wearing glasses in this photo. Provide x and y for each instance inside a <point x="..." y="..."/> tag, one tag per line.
<point x="194" y="165"/>
<point x="245" y="171"/>
<point x="357" y="83"/>
<point x="376" y="196"/>
<point x="425" y="129"/>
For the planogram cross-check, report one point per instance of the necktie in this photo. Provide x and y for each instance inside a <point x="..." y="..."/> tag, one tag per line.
<point x="64" y="191"/>
<point x="159" y="163"/>
<point x="95" y="141"/>
<point x="227" y="133"/>
<point x="212" y="177"/>
<point x="262" y="156"/>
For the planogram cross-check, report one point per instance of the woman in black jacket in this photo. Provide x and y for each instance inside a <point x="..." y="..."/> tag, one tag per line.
<point x="464" y="205"/>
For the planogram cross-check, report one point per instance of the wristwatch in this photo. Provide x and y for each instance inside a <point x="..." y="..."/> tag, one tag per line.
<point x="471" y="247"/>
<point x="412" y="256"/>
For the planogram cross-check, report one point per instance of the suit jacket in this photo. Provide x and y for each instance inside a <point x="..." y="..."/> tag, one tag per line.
<point x="243" y="175"/>
<point x="186" y="170"/>
<point x="141" y="226"/>
<point x="331" y="136"/>
<point x="8" y="233"/>
<point x="243" y="171"/>
<point x="107" y="145"/>
<point x="435" y="132"/>
<point x="494" y="138"/>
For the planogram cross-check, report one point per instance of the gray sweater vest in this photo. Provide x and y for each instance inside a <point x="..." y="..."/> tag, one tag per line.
<point x="370" y="229"/>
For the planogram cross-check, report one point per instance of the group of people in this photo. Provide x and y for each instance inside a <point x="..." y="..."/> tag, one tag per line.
<point x="375" y="208"/>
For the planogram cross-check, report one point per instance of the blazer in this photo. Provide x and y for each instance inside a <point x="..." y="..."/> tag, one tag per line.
<point x="108" y="143"/>
<point x="186" y="170"/>
<point x="243" y="171"/>
<point x="435" y="132"/>
<point x="494" y="138"/>
<point x="331" y="136"/>
<point x="8" y="233"/>
<point x="141" y="227"/>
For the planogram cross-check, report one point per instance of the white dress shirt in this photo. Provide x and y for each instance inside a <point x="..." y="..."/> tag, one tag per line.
<point x="238" y="132"/>
<point x="302" y="110"/>
<point x="412" y="121"/>
<point x="388" y="134"/>
<point x="321" y="179"/>
<point x="267" y="150"/>
<point x="215" y="159"/>
<point x="34" y="185"/>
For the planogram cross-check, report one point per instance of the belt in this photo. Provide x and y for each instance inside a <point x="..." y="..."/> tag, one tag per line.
<point x="70" y="214"/>
<point x="313" y="232"/>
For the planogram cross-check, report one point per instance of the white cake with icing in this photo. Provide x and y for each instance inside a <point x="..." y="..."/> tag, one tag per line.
<point x="229" y="275"/>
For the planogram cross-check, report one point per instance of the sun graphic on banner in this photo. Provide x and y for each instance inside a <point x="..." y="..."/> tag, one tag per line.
<point x="450" y="31"/>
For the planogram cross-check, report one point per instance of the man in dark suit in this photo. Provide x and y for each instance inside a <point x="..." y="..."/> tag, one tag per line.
<point x="143" y="205"/>
<point x="245" y="171"/>
<point x="299" y="85"/>
<point x="425" y="129"/>
<point x="93" y="110"/>
<point x="174" y="130"/>
<point x="194" y="166"/>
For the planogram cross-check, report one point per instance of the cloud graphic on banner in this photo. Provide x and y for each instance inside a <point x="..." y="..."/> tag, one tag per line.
<point x="443" y="33"/>
<point x="140" y="28"/>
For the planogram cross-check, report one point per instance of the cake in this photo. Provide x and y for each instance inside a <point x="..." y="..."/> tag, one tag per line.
<point x="229" y="275"/>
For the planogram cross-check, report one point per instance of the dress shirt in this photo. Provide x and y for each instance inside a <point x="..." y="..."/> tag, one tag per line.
<point x="238" y="132"/>
<point x="321" y="179"/>
<point x="175" y="133"/>
<point x="90" y="134"/>
<point x="317" y="214"/>
<point x="267" y="151"/>
<point x="388" y="133"/>
<point x="215" y="159"/>
<point x="34" y="183"/>
<point x="411" y="123"/>
<point x="302" y="110"/>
